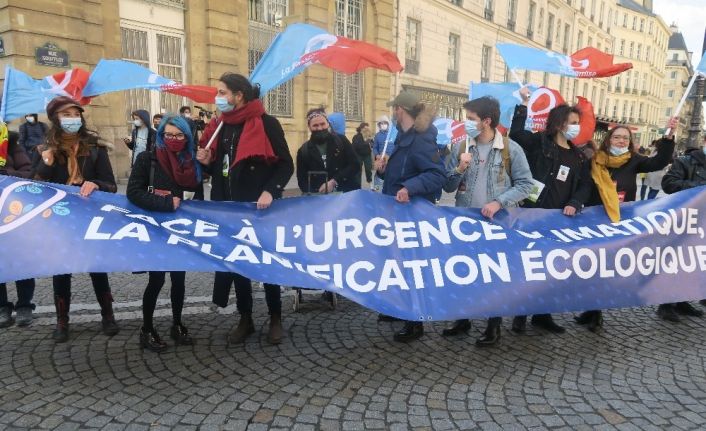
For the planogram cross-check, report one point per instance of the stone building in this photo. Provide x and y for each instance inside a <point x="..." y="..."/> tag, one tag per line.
<point x="195" y="41"/>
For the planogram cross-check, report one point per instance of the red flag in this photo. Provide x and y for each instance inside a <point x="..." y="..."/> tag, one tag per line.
<point x="197" y="93"/>
<point x="587" y="122"/>
<point x="350" y="56"/>
<point x="70" y="83"/>
<point x="592" y="63"/>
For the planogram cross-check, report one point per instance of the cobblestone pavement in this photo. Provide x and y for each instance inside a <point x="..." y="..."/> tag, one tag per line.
<point x="340" y="370"/>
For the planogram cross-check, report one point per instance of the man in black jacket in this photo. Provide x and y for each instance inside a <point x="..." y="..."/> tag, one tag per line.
<point x="325" y="162"/>
<point x="686" y="172"/>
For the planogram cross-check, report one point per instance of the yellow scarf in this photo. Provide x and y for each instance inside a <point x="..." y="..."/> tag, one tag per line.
<point x="69" y="145"/>
<point x="606" y="188"/>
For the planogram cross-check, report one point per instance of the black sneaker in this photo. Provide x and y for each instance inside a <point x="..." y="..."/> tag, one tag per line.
<point x="24" y="316"/>
<point x="6" y="317"/>
<point x="545" y="321"/>
<point x="410" y="332"/>
<point x="686" y="309"/>
<point x="519" y="324"/>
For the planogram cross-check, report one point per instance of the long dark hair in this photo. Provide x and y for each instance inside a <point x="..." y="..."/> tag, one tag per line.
<point x="86" y="138"/>
<point x="558" y="117"/>
<point x="605" y="145"/>
<point x="237" y="82"/>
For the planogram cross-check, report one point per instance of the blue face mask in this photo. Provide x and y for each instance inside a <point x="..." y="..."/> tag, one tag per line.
<point x="223" y="105"/>
<point x="471" y="127"/>
<point x="572" y="132"/>
<point x="71" y="125"/>
<point x="618" y="151"/>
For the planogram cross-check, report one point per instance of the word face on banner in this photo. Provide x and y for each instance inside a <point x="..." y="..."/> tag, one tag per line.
<point x="414" y="261"/>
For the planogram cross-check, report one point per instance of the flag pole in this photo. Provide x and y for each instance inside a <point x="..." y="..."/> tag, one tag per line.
<point x="213" y="137"/>
<point x="517" y="78"/>
<point x="683" y="99"/>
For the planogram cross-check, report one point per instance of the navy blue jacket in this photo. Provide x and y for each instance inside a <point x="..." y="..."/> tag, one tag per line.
<point x="415" y="164"/>
<point x="32" y="135"/>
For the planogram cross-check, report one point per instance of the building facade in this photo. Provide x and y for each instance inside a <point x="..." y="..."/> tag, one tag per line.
<point x="196" y="41"/>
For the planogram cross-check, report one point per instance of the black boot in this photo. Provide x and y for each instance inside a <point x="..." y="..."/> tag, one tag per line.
<point x="545" y="321"/>
<point x="245" y="327"/>
<point x="596" y="322"/>
<point x="703" y="302"/>
<point x="491" y="335"/>
<point x="410" y="332"/>
<point x="461" y="326"/>
<point x="61" y="332"/>
<point x="584" y="318"/>
<point x="667" y="312"/>
<point x="180" y="335"/>
<point x="519" y="324"/>
<point x="386" y="318"/>
<point x="149" y="339"/>
<point x="686" y="309"/>
<point x="110" y="327"/>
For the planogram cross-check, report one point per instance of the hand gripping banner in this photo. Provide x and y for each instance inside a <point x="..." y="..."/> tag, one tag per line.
<point x="415" y="261"/>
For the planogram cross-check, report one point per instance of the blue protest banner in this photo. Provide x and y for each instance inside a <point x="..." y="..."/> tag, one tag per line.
<point x="414" y="261"/>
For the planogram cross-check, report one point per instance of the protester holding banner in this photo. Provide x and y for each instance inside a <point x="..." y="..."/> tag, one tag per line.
<point x="75" y="156"/>
<point x="362" y="145"/>
<point x="32" y="133"/>
<point x="413" y="169"/>
<point x="686" y="172"/>
<point x="325" y="162"/>
<point x="248" y="161"/>
<point x="17" y="164"/>
<point x="559" y="169"/>
<point x="157" y="183"/>
<point x="495" y="175"/>
<point x="143" y="136"/>
<point x="614" y="170"/>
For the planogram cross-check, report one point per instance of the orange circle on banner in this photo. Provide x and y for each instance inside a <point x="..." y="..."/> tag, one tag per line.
<point x="9" y="218"/>
<point x="46" y="213"/>
<point x="16" y="208"/>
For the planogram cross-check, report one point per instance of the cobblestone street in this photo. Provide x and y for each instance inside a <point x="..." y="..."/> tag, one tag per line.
<point x="340" y="370"/>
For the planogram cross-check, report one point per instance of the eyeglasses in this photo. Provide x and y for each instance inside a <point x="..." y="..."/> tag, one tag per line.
<point x="177" y="136"/>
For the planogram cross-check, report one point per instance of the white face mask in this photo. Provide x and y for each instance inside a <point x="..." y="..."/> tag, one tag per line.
<point x="383" y="127"/>
<point x="572" y="131"/>
<point x="137" y="123"/>
<point x="186" y="115"/>
<point x="30" y="119"/>
<point x="618" y="151"/>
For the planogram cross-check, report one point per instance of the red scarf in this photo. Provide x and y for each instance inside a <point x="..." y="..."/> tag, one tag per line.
<point x="183" y="173"/>
<point x="253" y="140"/>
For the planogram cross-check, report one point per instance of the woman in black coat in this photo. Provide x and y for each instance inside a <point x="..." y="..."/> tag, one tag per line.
<point x="172" y="169"/>
<point x="74" y="156"/>
<point x="249" y="161"/>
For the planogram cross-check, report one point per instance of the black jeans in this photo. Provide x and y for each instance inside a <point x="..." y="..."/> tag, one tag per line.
<point x="243" y="293"/>
<point x="25" y="293"/>
<point x="62" y="284"/>
<point x="154" y="286"/>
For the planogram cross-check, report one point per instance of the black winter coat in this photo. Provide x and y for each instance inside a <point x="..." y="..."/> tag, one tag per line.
<point x="32" y="135"/>
<point x="18" y="163"/>
<point x="362" y="149"/>
<point x="542" y="155"/>
<point x="626" y="175"/>
<point x="342" y="165"/>
<point x="686" y="172"/>
<point x="94" y="166"/>
<point x="137" y="186"/>
<point x="250" y="177"/>
<point x="151" y="133"/>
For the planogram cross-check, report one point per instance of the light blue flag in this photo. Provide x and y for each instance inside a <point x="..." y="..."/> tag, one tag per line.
<point x="508" y="94"/>
<point x="118" y="75"/>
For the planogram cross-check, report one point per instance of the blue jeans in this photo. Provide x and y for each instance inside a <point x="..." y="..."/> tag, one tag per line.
<point x="25" y="293"/>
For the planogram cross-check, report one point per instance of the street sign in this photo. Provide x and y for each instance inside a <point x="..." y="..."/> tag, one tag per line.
<point x="51" y="55"/>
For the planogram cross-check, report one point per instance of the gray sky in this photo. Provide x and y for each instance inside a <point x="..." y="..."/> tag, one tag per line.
<point x="690" y="17"/>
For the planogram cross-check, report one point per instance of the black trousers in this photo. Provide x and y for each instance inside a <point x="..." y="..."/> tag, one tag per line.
<point x="243" y="293"/>
<point x="25" y="293"/>
<point x="62" y="284"/>
<point x="154" y="286"/>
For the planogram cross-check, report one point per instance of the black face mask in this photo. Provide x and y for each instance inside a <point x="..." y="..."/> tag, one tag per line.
<point x="320" y="136"/>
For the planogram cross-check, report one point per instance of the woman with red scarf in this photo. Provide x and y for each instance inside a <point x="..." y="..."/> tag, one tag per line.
<point x="157" y="182"/>
<point x="249" y="161"/>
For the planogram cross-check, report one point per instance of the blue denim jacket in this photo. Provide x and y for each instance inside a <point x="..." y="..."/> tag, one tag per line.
<point x="508" y="192"/>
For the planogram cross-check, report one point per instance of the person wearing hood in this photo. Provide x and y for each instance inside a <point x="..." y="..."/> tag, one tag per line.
<point x="687" y="171"/>
<point x="614" y="170"/>
<point x="414" y="169"/>
<point x="143" y="136"/>
<point x="379" y="139"/>
<point x="325" y="151"/>
<point x="75" y="156"/>
<point x="32" y="133"/>
<point x="561" y="168"/>
<point x="249" y="161"/>
<point x="157" y="183"/>
<point x="16" y="164"/>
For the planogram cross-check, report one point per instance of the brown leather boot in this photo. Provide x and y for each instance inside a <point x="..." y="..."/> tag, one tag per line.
<point x="110" y="327"/>
<point x="61" y="333"/>
<point x="274" y="336"/>
<point x="245" y="327"/>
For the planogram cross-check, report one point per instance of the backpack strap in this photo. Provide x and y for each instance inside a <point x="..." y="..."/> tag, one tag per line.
<point x="506" y="158"/>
